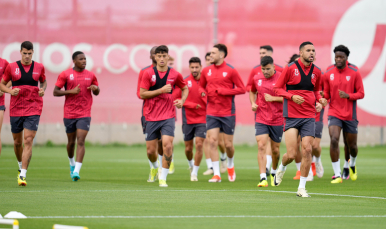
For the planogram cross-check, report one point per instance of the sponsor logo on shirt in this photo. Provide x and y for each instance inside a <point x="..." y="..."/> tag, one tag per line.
<point x="71" y="77"/>
<point x="313" y="76"/>
<point x="210" y="72"/>
<point x="189" y="83"/>
<point x="17" y="71"/>
<point x="224" y="74"/>
<point x="36" y="73"/>
<point x="259" y="83"/>
<point x="332" y="77"/>
<point x="348" y="78"/>
<point x="88" y="78"/>
<point x="296" y="72"/>
<point x="153" y="78"/>
<point x="171" y="80"/>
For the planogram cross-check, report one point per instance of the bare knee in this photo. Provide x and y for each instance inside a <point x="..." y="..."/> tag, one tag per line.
<point x="17" y="143"/>
<point x="334" y="142"/>
<point x="188" y="148"/>
<point x="261" y="146"/>
<point x="80" y="142"/>
<point x="168" y="147"/>
<point x="199" y="145"/>
<point x="28" y="141"/>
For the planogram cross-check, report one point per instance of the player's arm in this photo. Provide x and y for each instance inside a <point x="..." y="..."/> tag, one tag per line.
<point x="280" y="85"/>
<point x="9" y="84"/>
<point x="360" y="90"/>
<point x="326" y="87"/>
<point x="203" y="83"/>
<point x="7" y="76"/>
<point x="238" y="90"/>
<point x="94" y="86"/>
<point x="250" y="80"/>
<point x="252" y="97"/>
<point x="184" y="91"/>
<point x="146" y="94"/>
<point x="317" y="89"/>
<point x="270" y="98"/>
<point x="59" y="92"/>
<point x="139" y="83"/>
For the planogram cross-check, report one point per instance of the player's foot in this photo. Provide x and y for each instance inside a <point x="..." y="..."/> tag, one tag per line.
<point x="313" y="168"/>
<point x="263" y="183"/>
<point x="297" y="176"/>
<point x="278" y="177"/>
<point x="75" y="176"/>
<point x="18" y="174"/>
<point x="310" y="176"/>
<point x="231" y="174"/>
<point x="353" y="173"/>
<point x="171" y="168"/>
<point x="345" y="174"/>
<point x="193" y="178"/>
<point x="162" y="184"/>
<point x="209" y="172"/>
<point x="190" y="170"/>
<point x="72" y="168"/>
<point x="302" y="193"/>
<point x="223" y="166"/>
<point x="336" y="180"/>
<point x="22" y="181"/>
<point x="319" y="169"/>
<point x="215" y="179"/>
<point x="153" y="175"/>
<point x="267" y="171"/>
<point x="272" y="179"/>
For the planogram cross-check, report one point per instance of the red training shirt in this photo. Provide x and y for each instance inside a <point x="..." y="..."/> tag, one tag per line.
<point x="255" y="71"/>
<point x="348" y="80"/>
<point x="218" y="83"/>
<point x="268" y="113"/>
<point x="160" y="107"/>
<point x="140" y="78"/>
<point x="3" y="65"/>
<point x="291" y="76"/>
<point x="79" y="105"/>
<point x="27" y="102"/>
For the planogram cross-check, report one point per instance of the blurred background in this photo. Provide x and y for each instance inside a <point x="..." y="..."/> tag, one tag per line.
<point x="116" y="36"/>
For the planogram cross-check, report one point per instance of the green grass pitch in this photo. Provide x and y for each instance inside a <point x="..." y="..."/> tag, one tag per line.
<point x="113" y="183"/>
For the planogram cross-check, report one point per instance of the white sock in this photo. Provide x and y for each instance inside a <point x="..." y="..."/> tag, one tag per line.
<point x="317" y="159"/>
<point x="298" y="165"/>
<point x="78" y="165"/>
<point x="190" y="163"/>
<point x="345" y="165"/>
<point x="282" y="167"/>
<point x="195" y="170"/>
<point x="209" y="163"/>
<point x="23" y="173"/>
<point x="160" y="159"/>
<point x="72" y="161"/>
<point x="263" y="175"/>
<point x="223" y="156"/>
<point x="336" y="167"/>
<point x="302" y="182"/>
<point x="269" y="161"/>
<point x="19" y="164"/>
<point x="313" y="159"/>
<point x="154" y="165"/>
<point x="216" y="168"/>
<point x="151" y="164"/>
<point x="230" y="162"/>
<point x="273" y="171"/>
<point x="164" y="174"/>
<point x="352" y="161"/>
<point x="310" y="172"/>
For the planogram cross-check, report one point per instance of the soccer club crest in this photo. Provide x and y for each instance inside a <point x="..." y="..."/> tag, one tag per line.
<point x="224" y="74"/>
<point x="189" y="83"/>
<point x="17" y="71"/>
<point x="332" y="77"/>
<point x="72" y="77"/>
<point x="312" y="76"/>
<point x="296" y="72"/>
<point x="210" y="72"/>
<point x="153" y="78"/>
<point x="259" y="83"/>
<point x="348" y="78"/>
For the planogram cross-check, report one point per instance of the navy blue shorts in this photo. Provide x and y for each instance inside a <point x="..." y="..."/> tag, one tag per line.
<point x="347" y="126"/>
<point x="18" y="124"/>
<point x="274" y="132"/>
<point x="143" y="123"/>
<point x="2" y="108"/>
<point x="77" y="123"/>
<point x="305" y="126"/>
<point x="226" y="124"/>
<point x="318" y="129"/>
<point x="155" y="130"/>
<point x="193" y="130"/>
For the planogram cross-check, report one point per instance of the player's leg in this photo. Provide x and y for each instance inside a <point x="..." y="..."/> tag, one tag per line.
<point x="1" y="124"/>
<point x="298" y="160"/>
<point x="208" y="160"/>
<point x="346" y="170"/>
<point x="262" y="142"/>
<point x="334" y="128"/>
<point x="153" y="135"/>
<point x="228" y="125"/>
<point x="80" y="152"/>
<point x="167" y="128"/>
<point x="70" y="125"/>
<point x="316" y="152"/>
<point x="223" y="156"/>
<point x="213" y="125"/>
<point x="306" y="150"/>
<point x="275" y="136"/>
<point x="17" y="134"/>
<point x="268" y="155"/>
<point x="188" y="131"/>
<point x="29" y="136"/>
<point x="197" y="157"/>
<point x="350" y="130"/>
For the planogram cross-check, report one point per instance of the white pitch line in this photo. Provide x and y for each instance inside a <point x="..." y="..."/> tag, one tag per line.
<point x="205" y="216"/>
<point x="186" y="190"/>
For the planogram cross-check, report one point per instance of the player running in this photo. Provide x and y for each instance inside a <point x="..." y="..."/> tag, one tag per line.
<point x="269" y="117"/>
<point x="3" y="65"/>
<point x="78" y="84"/>
<point x="299" y="84"/>
<point x="221" y="82"/>
<point x="194" y="118"/>
<point x="159" y="111"/>
<point x="26" y="103"/>
<point x="343" y="86"/>
<point x="265" y="50"/>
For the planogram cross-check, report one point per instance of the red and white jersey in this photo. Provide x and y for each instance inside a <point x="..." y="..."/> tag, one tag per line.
<point x="255" y="71"/>
<point x="3" y="65"/>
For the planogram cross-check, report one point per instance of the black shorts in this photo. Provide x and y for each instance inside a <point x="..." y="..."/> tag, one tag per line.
<point x="18" y="124"/>
<point x="143" y="123"/>
<point x="305" y="126"/>
<point x="318" y="129"/>
<point x="77" y="123"/>
<point x="226" y="124"/>
<point x="274" y="132"/>
<point x="2" y="108"/>
<point x="154" y="130"/>
<point x="193" y="130"/>
<point x="347" y="126"/>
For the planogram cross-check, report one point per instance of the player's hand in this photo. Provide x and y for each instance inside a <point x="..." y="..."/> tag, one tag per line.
<point x="198" y="106"/>
<point x="297" y="99"/>
<point x="167" y="88"/>
<point x="343" y="94"/>
<point x="268" y="97"/>
<point x="318" y="107"/>
<point x="75" y="90"/>
<point x="323" y="101"/>
<point x="15" y="91"/>
<point x="93" y="88"/>
<point x="203" y="94"/>
<point x="41" y="92"/>
<point x="254" y="106"/>
<point x="178" y="103"/>
<point x="321" y="93"/>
